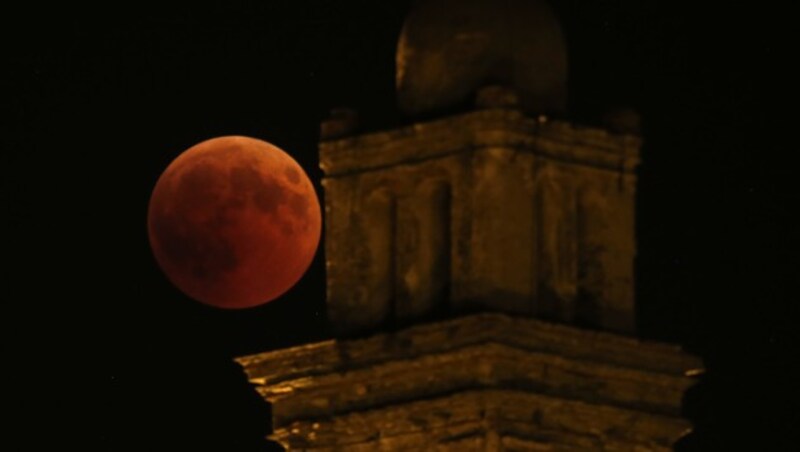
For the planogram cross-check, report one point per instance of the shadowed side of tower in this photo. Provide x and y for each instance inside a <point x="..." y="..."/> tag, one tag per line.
<point x="479" y="264"/>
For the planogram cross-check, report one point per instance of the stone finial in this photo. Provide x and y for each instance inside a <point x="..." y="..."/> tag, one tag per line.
<point x="448" y="49"/>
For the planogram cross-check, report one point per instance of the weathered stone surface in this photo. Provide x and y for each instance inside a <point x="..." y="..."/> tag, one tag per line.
<point x="522" y="333"/>
<point x="488" y="210"/>
<point x="457" y="384"/>
<point x="491" y="211"/>
<point x="558" y="140"/>
<point x="340" y="123"/>
<point x="470" y="420"/>
<point x="473" y="420"/>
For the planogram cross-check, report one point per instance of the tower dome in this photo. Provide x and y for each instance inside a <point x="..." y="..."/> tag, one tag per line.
<point x="448" y="49"/>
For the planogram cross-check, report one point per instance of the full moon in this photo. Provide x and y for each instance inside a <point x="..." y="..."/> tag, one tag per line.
<point x="234" y="222"/>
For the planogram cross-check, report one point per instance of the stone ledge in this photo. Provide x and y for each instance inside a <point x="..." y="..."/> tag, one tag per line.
<point x="471" y="419"/>
<point x="479" y="366"/>
<point x="478" y="352"/>
<point x="519" y="332"/>
<point x="557" y="140"/>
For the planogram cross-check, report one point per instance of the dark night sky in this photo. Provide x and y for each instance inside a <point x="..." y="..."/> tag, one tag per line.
<point x="102" y="106"/>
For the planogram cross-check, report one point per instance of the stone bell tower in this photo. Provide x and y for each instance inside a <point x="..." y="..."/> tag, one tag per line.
<point x="486" y="210"/>
<point x="484" y="256"/>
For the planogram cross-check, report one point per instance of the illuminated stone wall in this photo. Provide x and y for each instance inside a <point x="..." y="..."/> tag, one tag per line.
<point x="526" y="220"/>
<point x="485" y="382"/>
<point x="488" y="210"/>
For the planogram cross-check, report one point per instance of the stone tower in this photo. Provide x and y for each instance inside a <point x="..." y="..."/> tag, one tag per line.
<point x="479" y="264"/>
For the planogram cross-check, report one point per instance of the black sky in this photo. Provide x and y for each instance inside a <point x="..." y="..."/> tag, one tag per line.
<point x="103" y="100"/>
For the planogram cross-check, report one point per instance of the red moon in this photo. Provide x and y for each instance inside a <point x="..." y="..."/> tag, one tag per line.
<point x="234" y="222"/>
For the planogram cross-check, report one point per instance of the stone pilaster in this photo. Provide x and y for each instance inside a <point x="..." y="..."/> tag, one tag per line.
<point x="490" y="210"/>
